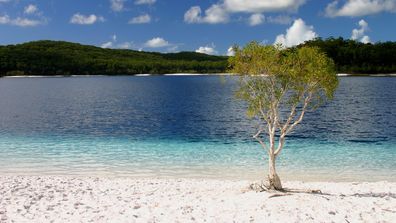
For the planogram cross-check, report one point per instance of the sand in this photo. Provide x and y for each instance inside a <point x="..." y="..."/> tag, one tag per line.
<point x="103" y="199"/>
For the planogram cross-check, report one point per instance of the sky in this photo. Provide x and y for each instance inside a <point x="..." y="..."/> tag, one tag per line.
<point x="207" y="26"/>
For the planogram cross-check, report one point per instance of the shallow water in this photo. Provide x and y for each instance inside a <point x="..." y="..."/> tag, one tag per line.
<point x="188" y="126"/>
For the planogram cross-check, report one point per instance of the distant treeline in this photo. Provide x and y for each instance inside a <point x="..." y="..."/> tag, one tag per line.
<point x="65" y="58"/>
<point x="359" y="58"/>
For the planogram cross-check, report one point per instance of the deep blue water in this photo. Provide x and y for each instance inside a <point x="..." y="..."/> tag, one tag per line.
<point x="187" y="126"/>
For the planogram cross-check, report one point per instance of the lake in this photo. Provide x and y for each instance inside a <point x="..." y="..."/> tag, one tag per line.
<point x="188" y="126"/>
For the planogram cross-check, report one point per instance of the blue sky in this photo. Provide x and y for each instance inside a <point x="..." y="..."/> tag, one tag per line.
<point x="210" y="26"/>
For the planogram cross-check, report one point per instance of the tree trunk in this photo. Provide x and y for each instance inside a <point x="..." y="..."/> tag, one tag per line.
<point x="274" y="180"/>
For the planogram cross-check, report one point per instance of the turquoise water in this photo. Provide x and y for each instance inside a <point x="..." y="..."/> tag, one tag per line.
<point x="187" y="127"/>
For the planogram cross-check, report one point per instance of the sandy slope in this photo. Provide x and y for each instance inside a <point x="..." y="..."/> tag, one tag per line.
<point x="68" y="199"/>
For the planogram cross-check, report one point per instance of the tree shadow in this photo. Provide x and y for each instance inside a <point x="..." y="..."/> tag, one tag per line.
<point x="286" y="191"/>
<point x="376" y="195"/>
<point x="290" y="191"/>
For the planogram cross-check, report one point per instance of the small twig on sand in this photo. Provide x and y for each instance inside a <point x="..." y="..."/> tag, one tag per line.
<point x="152" y="192"/>
<point x="308" y="191"/>
<point x="279" y="195"/>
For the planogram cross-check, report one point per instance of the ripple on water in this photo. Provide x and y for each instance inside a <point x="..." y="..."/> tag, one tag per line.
<point x="187" y="126"/>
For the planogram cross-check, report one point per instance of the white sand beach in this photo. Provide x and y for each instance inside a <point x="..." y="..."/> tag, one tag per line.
<point x="79" y="199"/>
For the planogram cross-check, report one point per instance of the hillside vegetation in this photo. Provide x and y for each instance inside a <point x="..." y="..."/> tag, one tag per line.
<point x="65" y="58"/>
<point x="359" y="58"/>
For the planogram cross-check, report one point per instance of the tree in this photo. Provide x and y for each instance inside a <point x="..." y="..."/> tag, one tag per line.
<point x="280" y="86"/>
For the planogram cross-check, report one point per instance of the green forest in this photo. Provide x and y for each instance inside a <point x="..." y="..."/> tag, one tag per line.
<point x="358" y="58"/>
<point x="65" y="58"/>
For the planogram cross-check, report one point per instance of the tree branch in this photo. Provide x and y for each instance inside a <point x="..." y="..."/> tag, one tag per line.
<point x="286" y="128"/>
<point x="258" y="138"/>
<point x="303" y="110"/>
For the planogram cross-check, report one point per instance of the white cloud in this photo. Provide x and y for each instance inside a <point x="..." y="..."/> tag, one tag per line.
<point x="354" y="8"/>
<point x="113" y="44"/>
<point x="30" y="9"/>
<point x="140" y="19"/>
<point x="143" y="2"/>
<point x="22" y="22"/>
<point x="254" y="6"/>
<point x="256" y="19"/>
<point x="365" y="39"/>
<point x="193" y="15"/>
<point x="117" y="5"/>
<point x="216" y="14"/>
<point x="4" y="19"/>
<point x="125" y="45"/>
<point x="157" y="43"/>
<point x="298" y="33"/>
<point x="220" y="12"/>
<point x="230" y="51"/>
<point x="207" y="50"/>
<point x="85" y="20"/>
<point x="107" y="45"/>
<point x="213" y="15"/>
<point x="359" y="34"/>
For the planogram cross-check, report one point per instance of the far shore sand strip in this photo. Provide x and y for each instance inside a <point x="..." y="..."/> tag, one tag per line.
<point x="92" y="199"/>
<point x="185" y="74"/>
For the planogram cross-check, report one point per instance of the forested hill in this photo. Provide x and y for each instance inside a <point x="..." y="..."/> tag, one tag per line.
<point x="65" y="58"/>
<point x="358" y="58"/>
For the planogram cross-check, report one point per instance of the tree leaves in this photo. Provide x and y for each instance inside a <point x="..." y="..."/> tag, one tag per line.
<point x="280" y="85"/>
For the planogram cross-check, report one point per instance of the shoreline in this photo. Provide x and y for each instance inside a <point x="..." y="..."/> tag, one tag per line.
<point x="193" y="178"/>
<point x="100" y="199"/>
<point x="179" y="74"/>
<point x="223" y="176"/>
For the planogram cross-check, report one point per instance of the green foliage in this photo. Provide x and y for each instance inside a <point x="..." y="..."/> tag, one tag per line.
<point x="255" y="59"/>
<point x="64" y="58"/>
<point x="275" y="79"/>
<point x="358" y="58"/>
<point x="311" y="71"/>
